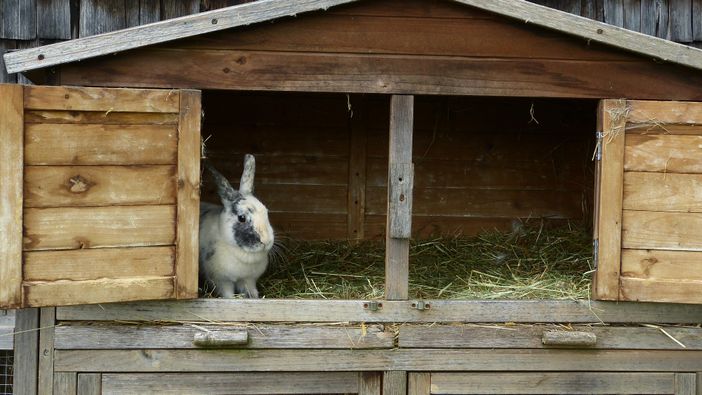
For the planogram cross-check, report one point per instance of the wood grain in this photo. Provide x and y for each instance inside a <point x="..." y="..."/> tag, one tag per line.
<point x="261" y="336"/>
<point x="655" y="112"/>
<point x="47" y="323"/>
<point x="101" y="118"/>
<point x="89" y="384"/>
<point x="11" y="165"/>
<point x="662" y="192"/>
<point x="662" y="230"/>
<point x="654" y="290"/>
<point x="64" y="292"/>
<point x="99" y="99"/>
<point x="96" y="227"/>
<point x="221" y="383"/>
<point x="370" y="383"/>
<point x="188" y="209"/>
<point x="685" y="384"/>
<point x="662" y="265"/>
<point x="54" y="19"/>
<point x="357" y="175"/>
<point x="376" y="360"/>
<point x="93" y="264"/>
<point x="552" y="383"/>
<point x="65" y="382"/>
<point x="479" y="311"/>
<point x="663" y="153"/>
<point x="418" y="383"/>
<point x="51" y="144"/>
<point x="394" y="382"/>
<point x="608" y="232"/>
<point x="72" y="186"/>
<point x="26" y="348"/>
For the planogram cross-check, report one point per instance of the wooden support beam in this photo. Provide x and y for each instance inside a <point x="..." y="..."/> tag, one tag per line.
<point x="26" y="350"/>
<point x="357" y="169"/>
<point x="399" y="212"/>
<point x="47" y="321"/>
<point x="394" y="383"/>
<point x="685" y="384"/>
<point x="419" y="384"/>
<point x="370" y="383"/>
<point x="89" y="384"/>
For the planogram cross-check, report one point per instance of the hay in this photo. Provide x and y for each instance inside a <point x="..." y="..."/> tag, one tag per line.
<point x="532" y="262"/>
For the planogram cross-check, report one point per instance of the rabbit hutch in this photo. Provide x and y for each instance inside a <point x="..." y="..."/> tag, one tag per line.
<point x="469" y="197"/>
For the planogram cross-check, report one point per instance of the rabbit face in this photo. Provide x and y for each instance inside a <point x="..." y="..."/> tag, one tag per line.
<point x="246" y="225"/>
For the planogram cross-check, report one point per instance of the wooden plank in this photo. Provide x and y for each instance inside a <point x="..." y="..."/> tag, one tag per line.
<point x="176" y="8"/>
<point x="561" y="338"/>
<point x="654" y="18"/>
<point x="101" y="16"/>
<point x="661" y="230"/>
<point x="93" y="264"/>
<point x="662" y="265"/>
<point x="98" y="227"/>
<point x="685" y="384"/>
<point x="54" y="19"/>
<point x="100" y="99"/>
<point x="6" y="338"/>
<point x="357" y="168"/>
<point x="394" y="382"/>
<point x="65" y="292"/>
<point x="168" y="30"/>
<point x="662" y="192"/>
<point x="188" y="214"/>
<point x="291" y="71"/>
<point x="399" y="221"/>
<point x="397" y="361"/>
<point x="19" y="19"/>
<point x="668" y="128"/>
<point x="221" y="383"/>
<point x="6" y="45"/>
<point x="614" y="12"/>
<point x="662" y="153"/>
<point x="611" y="121"/>
<point x="101" y="118"/>
<point x="370" y="383"/>
<point x="48" y="144"/>
<point x="26" y="358"/>
<point x="281" y="310"/>
<point x="680" y="20"/>
<point x="47" y="322"/>
<point x="149" y="12"/>
<point x="65" y="382"/>
<point x="73" y="186"/>
<point x="531" y="336"/>
<point x="11" y="193"/>
<point x="74" y="337"/>
<point x="552" y="383"/>
<point x="632" y="15"/>
<point x="89" y="384"/>
<point x="418" y="383"/>
<point x="668" y="291"/>
<point x="656" y="112"/>
<point x="400" y="191"/>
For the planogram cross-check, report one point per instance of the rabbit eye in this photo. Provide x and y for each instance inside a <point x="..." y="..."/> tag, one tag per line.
<point x="241" y="218"/>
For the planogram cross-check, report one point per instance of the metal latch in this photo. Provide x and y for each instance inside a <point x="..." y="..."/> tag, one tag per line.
<point x="421" y="305"/>
<point x="373" y="305"/>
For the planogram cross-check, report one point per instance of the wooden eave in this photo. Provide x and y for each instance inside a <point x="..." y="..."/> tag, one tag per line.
<point x="266" y="10"/>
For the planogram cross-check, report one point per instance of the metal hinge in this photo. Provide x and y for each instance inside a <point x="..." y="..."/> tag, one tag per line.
<point x="598" y="148"/>
<point x="595" y="254"/>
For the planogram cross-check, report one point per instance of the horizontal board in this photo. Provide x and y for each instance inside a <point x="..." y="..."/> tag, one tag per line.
<point x="402" y="35"/>
<point x="552" y="383"/>
<point x="100" y="117"/>
<point x="63" y="293"/>
<point x="432" y="226"/>
<point x="93" y="264"/>
<point x="309" y="227"/>
<point x="223" y="383"/>
<point x="661" y="230"/>
<point x="528" y="336"/>
<point x="312" y="199"/>
<point x="481" y="311"/>
<point x="661" y="128"/>
<point x="324" y="72"/>
<point x="96" y="227"/>
<point x="641" y="111"/>
<point x="483" y="203"/>
<point x="62" y="186"/>
<point x="662" y="153"/>
<point x="662" y="265"/>
<point x="6" y="337"/>
<point x="86" y="337"/>
<point x="662" y="192"/>
<point x="667" y="291"/>
<point x="65" y="144"/>
<point x="275" y="139"/>
<point x="369" y="360"/>
<point x="100" y="99"/>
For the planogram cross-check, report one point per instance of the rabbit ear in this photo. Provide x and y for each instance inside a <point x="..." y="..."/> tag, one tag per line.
<point x="246" y="186"/>
<point x="224" y="189"/>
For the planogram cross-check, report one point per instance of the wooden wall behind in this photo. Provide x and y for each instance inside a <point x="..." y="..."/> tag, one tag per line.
<point x="480" y="163"/>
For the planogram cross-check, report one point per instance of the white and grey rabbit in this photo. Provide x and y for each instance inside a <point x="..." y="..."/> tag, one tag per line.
<point x="235" y="238"/>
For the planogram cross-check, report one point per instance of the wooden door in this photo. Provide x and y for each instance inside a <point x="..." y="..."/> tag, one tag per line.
<point x="99" y="195"/>
<point x="648" y="226"/>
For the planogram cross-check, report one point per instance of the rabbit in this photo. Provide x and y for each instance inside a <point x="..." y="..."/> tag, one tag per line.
<point x="235" y="238"/>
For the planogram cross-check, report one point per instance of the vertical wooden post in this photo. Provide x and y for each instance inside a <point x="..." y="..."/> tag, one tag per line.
<point x="399" y="212"/>
<point x="47" y="321"/>
<point x="685" y="384"/>
<point x="356" y="204"/>
<point x="11" y="193"/>
<point x="25" y="351"/>
<point x="65" y="383"/>
<point x="369" y="383"/>
<point x="395" y="383"/>
<point x="89" y="384"/>
<point x="419" y="384"/>
<point x="188" y="194"/>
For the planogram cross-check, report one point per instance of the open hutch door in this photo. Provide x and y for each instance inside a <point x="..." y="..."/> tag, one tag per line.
<point x="648" y="221"/>
<point x="99" y="195"/>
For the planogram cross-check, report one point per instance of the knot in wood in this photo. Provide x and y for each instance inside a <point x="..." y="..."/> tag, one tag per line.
<point x="78" y="184"/>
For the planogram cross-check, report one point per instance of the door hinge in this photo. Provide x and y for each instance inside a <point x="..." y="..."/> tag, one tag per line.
<point x="595" y="252"/>
<point x="598" y="147"/>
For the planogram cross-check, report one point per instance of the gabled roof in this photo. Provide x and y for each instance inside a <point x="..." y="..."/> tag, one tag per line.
<point x="266" y="10"/>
